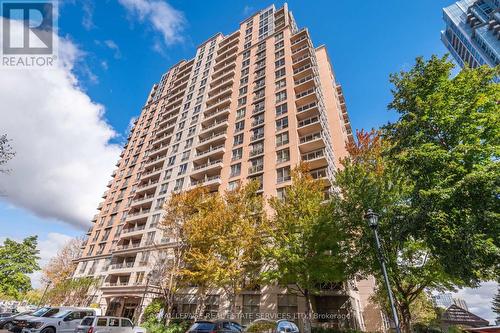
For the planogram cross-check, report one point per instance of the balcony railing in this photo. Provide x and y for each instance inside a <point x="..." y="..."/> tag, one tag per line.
<point x="255" y="168"/>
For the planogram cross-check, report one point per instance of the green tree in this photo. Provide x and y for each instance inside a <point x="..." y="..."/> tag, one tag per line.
<point x="301" y="251"/>
<point x="17" y="260"/>
<point x="447" y="140"/>
<point x="370" y="180"/>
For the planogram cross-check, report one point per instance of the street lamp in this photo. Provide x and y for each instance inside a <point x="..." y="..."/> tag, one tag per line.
<point x="372" y="219"/>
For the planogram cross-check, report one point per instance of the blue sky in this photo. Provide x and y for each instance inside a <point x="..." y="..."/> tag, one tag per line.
<point x="119" y="62"/>
<point x="121" y="53"/>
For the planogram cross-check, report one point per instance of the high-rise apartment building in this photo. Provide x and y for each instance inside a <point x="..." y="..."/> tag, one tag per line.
<point x="472" y="33"/>
<point x="250" y="105"/>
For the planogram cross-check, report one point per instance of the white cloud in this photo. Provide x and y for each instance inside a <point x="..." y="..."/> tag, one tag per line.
<point x="113" y="46"/>
<point x="163" y="18"/>
<point x="479" y="299"/>
<point x="63" y="155"/>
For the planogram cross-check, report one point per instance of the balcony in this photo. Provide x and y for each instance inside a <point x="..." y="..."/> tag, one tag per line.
<point x="212" y="182"/>
<point x="256" y="152"/>
<point x="319" y="174"/>
<point x="147" y="185"/>
<point x="219" y="149"/>
<point x="302" y="71"/>
<point x="311" y="142"/>
<point x="315" y="159"/>
<point x="122" y="265"/>
<point x="304" y="83"/>
<point x="308" y="125"/>
<point x="213" y="138"/>
<point x="217" y="124"/>
<point x="141" y="214"/>
<point x="207" y="167"/>
<point x="210" y="116"/>
<point x="134" y="229"/>
<point x="307" y="110"/>
<point x="306" y="96"/>
<point x="220" y="103"/>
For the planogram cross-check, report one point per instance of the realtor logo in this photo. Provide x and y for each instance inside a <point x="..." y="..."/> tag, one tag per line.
<point x="27" y="28"/>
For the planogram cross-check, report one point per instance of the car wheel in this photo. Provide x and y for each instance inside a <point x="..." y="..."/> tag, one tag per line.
<point x="8" y="326"/>
<point x="47" y="330"/>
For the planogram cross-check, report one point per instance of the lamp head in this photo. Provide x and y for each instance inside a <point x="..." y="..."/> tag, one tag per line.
<point x="372" y="218"/>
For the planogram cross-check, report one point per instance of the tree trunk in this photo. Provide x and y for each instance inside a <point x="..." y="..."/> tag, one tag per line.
<point x="201" y="302"/>
<point x="308" y="312"/>
<point x="405" y="316"/>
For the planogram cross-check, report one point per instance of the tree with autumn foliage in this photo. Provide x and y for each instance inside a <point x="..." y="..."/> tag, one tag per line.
<point x="169" y="273"/>
<point x="301" y="250"/>
<point x="224" y="242"/>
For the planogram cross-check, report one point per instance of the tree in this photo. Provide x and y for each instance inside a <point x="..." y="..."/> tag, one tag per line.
<point x="17" y="260"/>
<point x="60" y="269"/>
<point x="224" y="241"/>
<point x="368" y="179"/>
<point x="6" y="152"/>
<point x="169" y="275"/>
<point x="447" y="140"/>
<point x="72" y="291"/>
<point x="62" y="265"/>
<point x="301" y="251"/>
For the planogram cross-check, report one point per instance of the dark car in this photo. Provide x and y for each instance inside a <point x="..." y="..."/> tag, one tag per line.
<point x="272" y="326"/>
<point x="6" y="321"/>
<point x="21" y="322"/>
<point x="217" y="326"/>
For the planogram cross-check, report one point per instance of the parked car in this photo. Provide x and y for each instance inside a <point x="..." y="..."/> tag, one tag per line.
<point x="6" y="321"/>
<point x="217" y="326"/>
<point x="21" y="321"/>
<point x="107" y="324"/>
<point x="64" y="321"/>
<point x="272" y="326"/>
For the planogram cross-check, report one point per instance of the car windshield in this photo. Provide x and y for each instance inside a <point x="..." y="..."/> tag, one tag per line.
<point x="61" y="314"/>
<point x="40" y="312"/>
<point x="203" y="326"/>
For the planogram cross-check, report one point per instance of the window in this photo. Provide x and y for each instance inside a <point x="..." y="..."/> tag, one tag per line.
<point x="178" y="184"/>
<point x="238" y="139"/>
<point x="251" y="308"/>
<point x="258" y="133"/>
<point x="237" y="154"/>
<point x="278" y="36"/>
<point x="181" y="125"/>
<point x="163" y="188"/>
<point x="240" y="113"/>
<point x="280" y="84"/>
<point x="279" y="45"/>
<point x="239" y="126"/>
<point x="244" y="80"/>
<point x="279" y="63"/>
<point x="178" y="136"/>
<point x="243" y="90"/>
<point x="102" y="322"/>
<point x="282" y="139"/>
<point x="279" y="54"/>
<point x="281" y="109"/>
<point x="171" y="161"/>
<point x="191" y="131"/>
<point x="280" y="193"/>
<point x="233" y="185"/>
<point x="127" y="323"/>
<point x="235" y="170"/>
<point x="281" y="96"/>
<point x="194" y="118"/>
<point x="280" y="73"/>
<point x="244" y="72"/>
<point x="189" y="143"/>
<point x="114" y="322"/>
<point x="182" y="169"/>
<point x="168" y="174"/>
<point x="246" y="54"/>
<point x="281" y="123"/>
<point x="245" y="63"/>
<point x="185" y="155"/>
<point x="175" y="148"/>
<point x="283" y="155"/>
<point x="242" y="101"/>
<point x="283" y="174"/>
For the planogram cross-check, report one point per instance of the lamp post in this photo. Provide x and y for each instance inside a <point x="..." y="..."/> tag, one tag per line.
<point x="148" y="277"/>
<point x="372" y="219"/>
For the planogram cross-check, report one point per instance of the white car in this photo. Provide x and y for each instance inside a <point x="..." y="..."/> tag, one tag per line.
<point x="108" y="324"/>
<point x="64" y="321"/>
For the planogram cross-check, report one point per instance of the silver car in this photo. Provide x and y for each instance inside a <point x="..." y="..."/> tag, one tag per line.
<point x="64" y="321"/>
<point x="108" y="324"/>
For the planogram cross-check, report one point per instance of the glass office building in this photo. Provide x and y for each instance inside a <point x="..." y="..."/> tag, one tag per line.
<point x="472" y="33"/>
